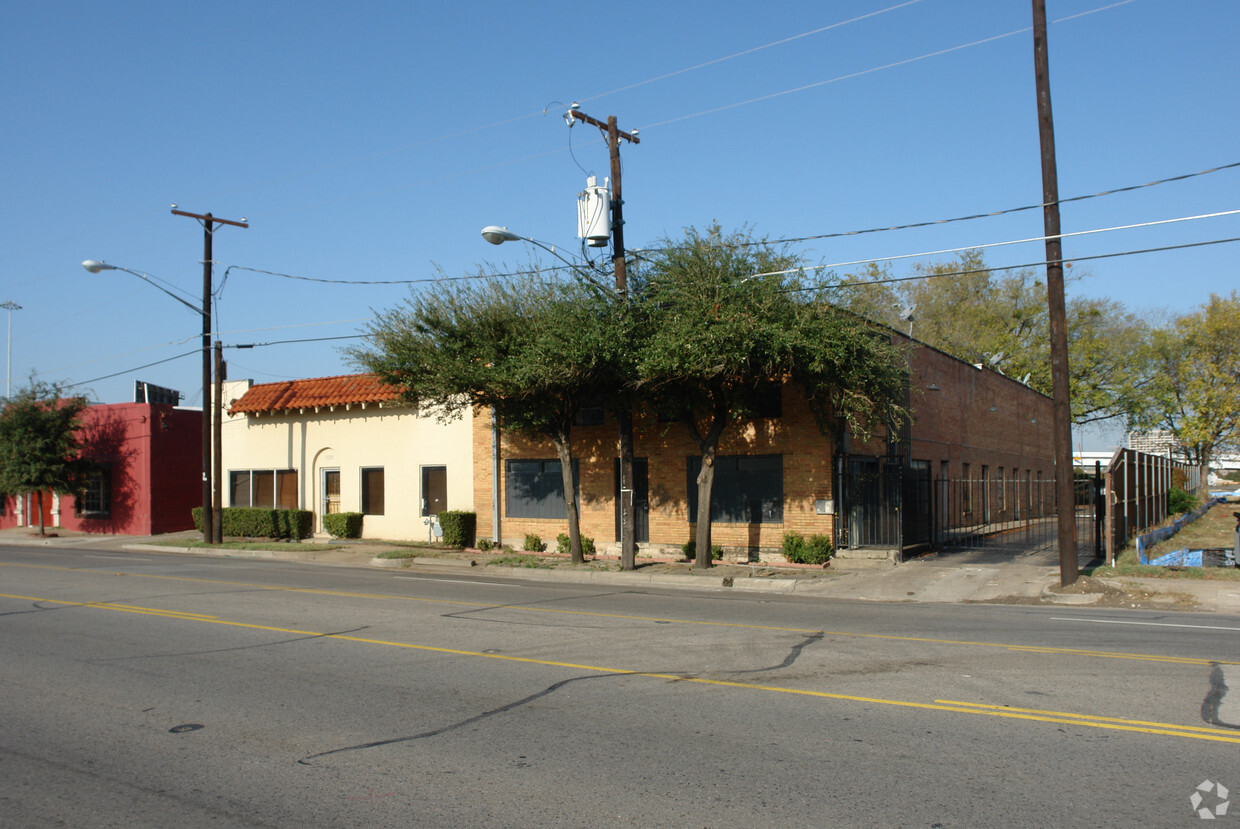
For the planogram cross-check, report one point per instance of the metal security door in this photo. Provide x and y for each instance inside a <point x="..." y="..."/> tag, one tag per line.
<point x="330" y="504"/>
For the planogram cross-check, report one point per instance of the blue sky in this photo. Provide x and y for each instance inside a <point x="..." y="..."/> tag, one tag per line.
<point x="371" y="141"/>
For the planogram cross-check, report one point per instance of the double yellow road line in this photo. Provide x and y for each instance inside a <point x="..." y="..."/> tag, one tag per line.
<point x="952" y="706"/>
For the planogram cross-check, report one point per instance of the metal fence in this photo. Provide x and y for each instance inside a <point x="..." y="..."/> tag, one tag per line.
<point x="1137" y="485"/>
<point x="900" y="507"/>
<point x="1017" y="513"/>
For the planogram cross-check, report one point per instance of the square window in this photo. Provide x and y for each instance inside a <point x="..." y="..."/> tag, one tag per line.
<point x="535" y="488"/>
<point x="748" y="489"/>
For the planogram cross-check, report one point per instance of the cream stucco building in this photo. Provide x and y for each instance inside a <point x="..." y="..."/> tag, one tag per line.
<point x="343" y="444"/>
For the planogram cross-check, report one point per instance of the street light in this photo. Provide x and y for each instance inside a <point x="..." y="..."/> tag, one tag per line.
<point x="497" y="235"/>
<point x="10" y="306"/>
<point x="95" y="266"/>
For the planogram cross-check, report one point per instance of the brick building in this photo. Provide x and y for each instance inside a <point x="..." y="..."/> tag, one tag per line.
<point x="977" y="446"/>
<point x="149" y="482"/>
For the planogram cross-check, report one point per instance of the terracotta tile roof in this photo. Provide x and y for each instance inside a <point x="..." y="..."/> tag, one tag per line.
<point x="287" y="395"/>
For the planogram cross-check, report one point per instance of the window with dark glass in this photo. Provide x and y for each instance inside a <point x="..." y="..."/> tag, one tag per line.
<point x="766" y="400"/>
<point x="434" y="489"/>
<point x="590" y="412"/>
<point x="535" y="488"/>
<point x="748" y="489"/>
<point x="275" y="488"/>
<point x="96" y="495"/>
<point x="372" y="490"/>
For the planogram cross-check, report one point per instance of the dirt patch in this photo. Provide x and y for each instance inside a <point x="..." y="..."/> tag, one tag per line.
<point x="1117" y="593"/>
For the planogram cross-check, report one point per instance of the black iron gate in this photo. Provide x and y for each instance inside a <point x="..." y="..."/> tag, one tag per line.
<point x="896" y="505"/>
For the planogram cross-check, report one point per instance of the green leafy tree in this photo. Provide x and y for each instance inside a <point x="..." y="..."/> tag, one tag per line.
<point x="999" y="320"/>
<point x="1196" y="389"/>
<point x="724" y="314"/>
<point x="531" y="350"/>
<point x="40" y="444"/>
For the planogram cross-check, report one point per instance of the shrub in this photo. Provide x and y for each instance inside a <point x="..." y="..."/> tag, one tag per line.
<point x="296" y="523"/>
<point x="1179" y="501"/>
<point x="534" y="543"/>
<point x="689" y="550"/>
<point x="343" y="524"/>
<point x="817" y="550"/>
<point x="564" y="545"/>
<point x="484" y="544"/>
<point x="458" y="527"/>
<point x="261" y="522"/>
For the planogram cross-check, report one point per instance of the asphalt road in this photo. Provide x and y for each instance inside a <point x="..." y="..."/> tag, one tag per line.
<point x="152" y="691"/>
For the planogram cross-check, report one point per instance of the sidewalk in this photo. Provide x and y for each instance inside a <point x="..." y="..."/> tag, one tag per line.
<point x="953" y="578"/>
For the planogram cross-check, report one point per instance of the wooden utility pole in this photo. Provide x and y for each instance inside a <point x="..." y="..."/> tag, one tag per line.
<point x="1065" y="490"/>
<point x="212" y="528"/>
<point x="628" y="522"/>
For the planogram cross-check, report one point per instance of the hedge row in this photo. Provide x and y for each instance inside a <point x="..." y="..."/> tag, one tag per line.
<point x="261" y="522"/>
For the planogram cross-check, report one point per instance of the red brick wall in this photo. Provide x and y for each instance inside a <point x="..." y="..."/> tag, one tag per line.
<point x="667" y="446"/>
<point x="974" y="416"/>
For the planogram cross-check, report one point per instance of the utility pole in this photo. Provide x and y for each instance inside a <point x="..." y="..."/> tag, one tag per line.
<point x="628" y="520"/>
<point x="1065" y="491"/>
<point x="212" y="528"/>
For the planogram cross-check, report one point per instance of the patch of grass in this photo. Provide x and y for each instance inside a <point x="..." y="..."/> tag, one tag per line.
<point x="520" y="561"/>
<point x="405" y="553"/>
<point x="1217" y="528"/>
<point x="265" y="546"/>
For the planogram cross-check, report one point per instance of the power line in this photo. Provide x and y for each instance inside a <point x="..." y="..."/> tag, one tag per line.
<point x="135" y="368"/>
<point x="1041" y="263"/>
<point x="750" y="51"/>
<point x="1010" y="242"/>
<point x="871" y="70"/>
<point x="914" y="225"/>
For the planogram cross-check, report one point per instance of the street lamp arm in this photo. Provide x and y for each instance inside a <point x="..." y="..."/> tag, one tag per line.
<point x="95" y="266"/>
<point x="497" y="235"/>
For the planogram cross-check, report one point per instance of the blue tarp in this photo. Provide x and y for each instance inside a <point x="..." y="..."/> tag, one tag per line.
<point x="1150" y="538"/>
<point x="1180" y="558"/>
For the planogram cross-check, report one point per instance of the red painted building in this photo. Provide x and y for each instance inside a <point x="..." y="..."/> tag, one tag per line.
<point x="151" y="476"/>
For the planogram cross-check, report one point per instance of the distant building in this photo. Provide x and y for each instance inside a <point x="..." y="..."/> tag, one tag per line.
<point x="1156" y="442"/>
<point x="149" y="480"/>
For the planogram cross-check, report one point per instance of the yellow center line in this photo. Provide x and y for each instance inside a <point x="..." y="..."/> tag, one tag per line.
<point x="977" y="709"/>
<point x="1091" y="718"/>
<point x="1182" y="660"/>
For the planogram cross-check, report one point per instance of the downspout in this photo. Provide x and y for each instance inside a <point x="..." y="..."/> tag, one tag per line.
<point x="495" y="478"/>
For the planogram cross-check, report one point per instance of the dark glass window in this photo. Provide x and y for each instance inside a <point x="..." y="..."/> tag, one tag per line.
<point x="96" y="497"/>
<point x="590" y="412"/>
<point x="372" y="490"/>
<point x="767" y="400"/>
<point x="275" y="488"/>
<point x="239" y="486"/>
<point x="748" y="489"/>
<point x="535" y="488"/>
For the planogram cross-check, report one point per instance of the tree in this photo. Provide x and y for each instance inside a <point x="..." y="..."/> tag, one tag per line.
<point x="724" y="314"/>
<point x="999" y="319"/>
<point x="40" y="445"/>
<point x="1196" y="389"/>
<point x="531" y="350"/>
